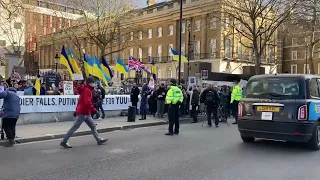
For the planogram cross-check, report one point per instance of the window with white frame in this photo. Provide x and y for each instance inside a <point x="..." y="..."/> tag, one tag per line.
<point x="50" y="21"/>
<point x="131" y="52"/>
<point x="149" y="33"/>
<point x="294" y="41"/>
<point x="183" y="27"/>
<point x="227" y="48"/>
<point x="240" y="50"/>
<point x="170" y="30"/>
<point x="159" y="32"/>
<point x="183" y="52"/>
<point x="294" y="69"/>
<point x="196" y="49"/>
<point x="197" y="25"/>
<point x="213" y="23"/>
<point x="131" y="36"/>
<point x="140" y="35"/>
<point x="159" y="52"/>
<point x="213" y="47"/>
<point x="294" y="55"/>
<point x="306" y="69"/>
<point x="140" y="53"/>
<point x="150" y="51"/>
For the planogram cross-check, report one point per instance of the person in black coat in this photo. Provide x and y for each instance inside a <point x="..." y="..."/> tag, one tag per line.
<point x="161" y="97"/>
<point x="211" y="99"/>
<point x="195" y="96"/>
<point x="103" y="95"/>
<point x="134" y="95"/>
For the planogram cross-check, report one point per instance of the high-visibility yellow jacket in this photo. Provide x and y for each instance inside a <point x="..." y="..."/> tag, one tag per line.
<point x="174" y="95"/>
<point x="236" y="93"/>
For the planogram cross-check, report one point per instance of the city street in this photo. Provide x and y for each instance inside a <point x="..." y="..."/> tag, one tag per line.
<point x="146" y="154"/>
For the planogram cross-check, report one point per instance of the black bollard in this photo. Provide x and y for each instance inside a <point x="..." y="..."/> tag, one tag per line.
<point x="132" y="114"/>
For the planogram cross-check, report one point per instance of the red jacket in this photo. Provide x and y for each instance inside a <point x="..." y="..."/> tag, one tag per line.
<point x="85" y="106"/>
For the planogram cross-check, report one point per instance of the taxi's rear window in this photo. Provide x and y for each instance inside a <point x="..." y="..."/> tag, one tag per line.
<point x="273" y="88"/>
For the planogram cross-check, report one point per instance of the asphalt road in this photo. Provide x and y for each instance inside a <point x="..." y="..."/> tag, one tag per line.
<point x="198" y="153"/>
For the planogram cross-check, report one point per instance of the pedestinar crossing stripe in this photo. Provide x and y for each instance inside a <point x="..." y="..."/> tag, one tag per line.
<point x="67" y="103"/>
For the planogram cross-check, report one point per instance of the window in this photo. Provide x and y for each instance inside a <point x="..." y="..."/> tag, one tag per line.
<point x="294" y="69"/>
<point x="149" y="34"/>
<point x="183" y="52"/>
<point x="69" y="23"/>
<point x="294" y="55"/>
<point x="159" y="32"/>
<point x="239" y="50"/>
<point x="294" y="41"/>
<point x="196" y="49"/>
<point x="44" y="30"/>
<point x="197" y="25"/>
<point x="131" y="52"/>
<point x="140" y="53"/>
<point x="159" y="52"/>
<point x="274" y="88"/>
<point x="50" y="21"/>
<point x="17" y="25"/>
<point x="150" y="51"/>
<point x="140" y="35"/>
<point x="183" y="27"/>
<point x="227" y="48"/>
<point x="170" y="30"/>
<point x="170" y="46"/>
<point x="227" y="24"/>
<point x="131" y="36"/>
<point x="60" y="23"/>
<point x="213" y="47"/>
<point x="313" y="88"/>
<point x="41" y="20"/>
<point x="213" y="23"/>
<point x="306" y="69"/>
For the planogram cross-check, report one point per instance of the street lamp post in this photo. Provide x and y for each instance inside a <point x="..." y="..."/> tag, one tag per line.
<point x="180" y="41"/>
<point x="56" y="61"/>
<point x="189" y="47"/>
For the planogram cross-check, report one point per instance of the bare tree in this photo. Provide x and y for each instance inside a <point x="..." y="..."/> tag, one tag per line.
<point x="10" y="8"/>
<point x="303" y="24"/>
<point x="107" y="23"/>
<point x="255" y="23"/>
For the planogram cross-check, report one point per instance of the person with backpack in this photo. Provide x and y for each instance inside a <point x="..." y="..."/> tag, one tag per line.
<point x="211" y="99"/>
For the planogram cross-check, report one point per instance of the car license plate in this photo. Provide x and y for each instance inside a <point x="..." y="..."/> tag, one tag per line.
<point x="266" y="116"/>
<point x="268" y="109"/>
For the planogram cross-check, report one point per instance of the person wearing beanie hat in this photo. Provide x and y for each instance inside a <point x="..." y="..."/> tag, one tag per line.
<point x="83" y="113"/>
<point x="174" y="98"/>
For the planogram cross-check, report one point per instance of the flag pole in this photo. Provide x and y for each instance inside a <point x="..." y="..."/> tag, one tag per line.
<point x="180" y="42"/>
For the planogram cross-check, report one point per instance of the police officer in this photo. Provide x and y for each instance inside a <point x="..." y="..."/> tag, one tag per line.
<point x="236" y="96"/>
<point x="211" y="99"/>
<point x="174" y="98"/>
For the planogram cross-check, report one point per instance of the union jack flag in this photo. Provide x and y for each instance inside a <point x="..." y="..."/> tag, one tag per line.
<point x="134" y="64"/>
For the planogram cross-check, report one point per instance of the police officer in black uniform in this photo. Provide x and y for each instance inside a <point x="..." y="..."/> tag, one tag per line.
<point x="211" y="99"/>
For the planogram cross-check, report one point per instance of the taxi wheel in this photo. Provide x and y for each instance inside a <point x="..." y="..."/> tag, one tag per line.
<point x="314" y="142"/>
<point x="247" y="139"/>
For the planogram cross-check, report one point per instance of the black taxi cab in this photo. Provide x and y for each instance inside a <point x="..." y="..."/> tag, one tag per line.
<point x="281" y="107"/>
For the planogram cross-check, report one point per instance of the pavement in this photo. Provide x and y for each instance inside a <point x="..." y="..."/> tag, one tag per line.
<point x="57" y="130"/>
<point x="198" y="153"/>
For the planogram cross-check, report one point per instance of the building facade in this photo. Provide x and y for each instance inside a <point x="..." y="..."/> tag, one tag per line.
<point x="204" y="39"/>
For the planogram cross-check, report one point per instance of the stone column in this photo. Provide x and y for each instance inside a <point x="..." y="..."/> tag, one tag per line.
<point x="203" y="44"/>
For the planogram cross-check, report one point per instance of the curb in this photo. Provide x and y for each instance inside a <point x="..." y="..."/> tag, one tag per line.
<point x="83" y="133"/>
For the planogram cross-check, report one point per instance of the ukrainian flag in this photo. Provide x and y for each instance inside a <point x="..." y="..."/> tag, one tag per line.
<point x="73" y="62"/>
<point x="64" y="60"/>
<point x="98" y="72"/>
<point x="88" y="65"/>
<point x="120" y="67"/>
<point x="105" y="67"/>
<point x="175" y="56"/>
<point x="37" y="84"/>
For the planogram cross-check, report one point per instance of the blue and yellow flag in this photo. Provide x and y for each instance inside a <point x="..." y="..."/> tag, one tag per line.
<point x="99" y="72"/>
<point x="175" y="56"/>
<point x="64" y="60"/>
<point x="153" y="70"/>
<point x="106" y="68"/>
<point x="73" y="62"/>
<point x="121" y="67"/>
<point x="37" y="84"/>
<point x="88" y="65"/>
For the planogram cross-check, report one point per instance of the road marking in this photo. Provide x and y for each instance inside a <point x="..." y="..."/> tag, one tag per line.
<point x="117" y="151"/>
<point x="50" y="151"/>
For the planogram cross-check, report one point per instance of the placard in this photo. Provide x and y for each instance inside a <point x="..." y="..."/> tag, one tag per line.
<point x="68" y="88"/>
<point x="192" y="81"/>
<point x="67" y="103"/>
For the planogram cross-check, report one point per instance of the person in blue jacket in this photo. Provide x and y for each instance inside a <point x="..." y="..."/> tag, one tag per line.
<point x="144" y="101"/>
